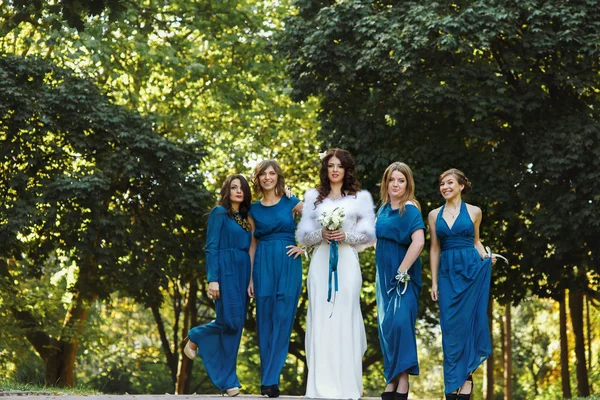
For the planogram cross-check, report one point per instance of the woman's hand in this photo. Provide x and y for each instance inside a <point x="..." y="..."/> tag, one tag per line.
<point x="486" y="256"/>
<point x="293" y="251"/>
<point x="434" y="291"/>
<point x="251" y="288"/>
<point x="334" y="236"/>
<point x="288" y="192"/>
<point x="213" y="290"/>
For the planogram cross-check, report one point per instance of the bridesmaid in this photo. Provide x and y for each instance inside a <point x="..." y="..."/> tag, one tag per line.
<point x="228" y="274"/>
<point x="461" y="269"/>
<point x="276" y="279"/>
<point x="400" y="239"/>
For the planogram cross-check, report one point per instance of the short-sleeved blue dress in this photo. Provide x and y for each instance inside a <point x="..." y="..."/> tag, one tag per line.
<point x="277" y="283"/>
<point x="397" y="313"/>
<point x="228" y="263"/>
<point x="464" y="289"/>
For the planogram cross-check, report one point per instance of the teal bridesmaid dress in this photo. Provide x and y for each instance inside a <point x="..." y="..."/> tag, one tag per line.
<point x="228" y="263"/>
<point x="397" y="312"/>
<point x="464" y="289"/>
<point x="277" y="281"/>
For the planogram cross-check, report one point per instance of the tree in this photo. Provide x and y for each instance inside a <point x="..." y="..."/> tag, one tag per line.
<point x="507" y="92"/>
<point x="92" y="183"/>
<point x="70" y="12"/>
<point x="206" y="74"/>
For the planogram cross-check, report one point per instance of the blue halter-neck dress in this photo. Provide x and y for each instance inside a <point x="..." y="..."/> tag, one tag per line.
<point x="464" y="289"/>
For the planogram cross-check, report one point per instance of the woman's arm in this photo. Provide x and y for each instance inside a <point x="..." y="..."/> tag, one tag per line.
<point x="252" y="253"/>
<point x="309" y="232"/>
<point x="216" y="222"/>
<point x="477" y="216"/>
<point x="414" y="250"/>
<point x="298" y="209"/>
<point x="363" y="234"/>
<point x="434" y="253"/>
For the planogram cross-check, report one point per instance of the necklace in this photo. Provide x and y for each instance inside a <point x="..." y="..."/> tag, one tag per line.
<point x="453" y="215"/>
<point x="240" y="221"/>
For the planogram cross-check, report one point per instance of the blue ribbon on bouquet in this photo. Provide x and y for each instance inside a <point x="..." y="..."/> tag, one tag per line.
<point x="333" y="264"/>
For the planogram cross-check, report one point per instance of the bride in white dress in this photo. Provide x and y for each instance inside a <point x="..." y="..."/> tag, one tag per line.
<point x="335" y="331"/>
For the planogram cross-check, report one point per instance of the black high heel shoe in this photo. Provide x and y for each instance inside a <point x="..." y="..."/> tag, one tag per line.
<point x="271" y="391"/>
<point x="401" y="396"/>
<point x="388" y="395"/>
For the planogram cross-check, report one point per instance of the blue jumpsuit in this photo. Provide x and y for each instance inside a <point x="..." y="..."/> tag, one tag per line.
<point x="228" y="263"/>
<point x="277" y="283"/>
<point x="397" y="313"/>
<point x="464" y="289"/>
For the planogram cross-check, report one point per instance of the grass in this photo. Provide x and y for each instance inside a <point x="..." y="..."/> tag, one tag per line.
<point x="6" y="385"/>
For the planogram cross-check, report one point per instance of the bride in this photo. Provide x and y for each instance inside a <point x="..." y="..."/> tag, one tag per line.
<point x="335" y="331"/>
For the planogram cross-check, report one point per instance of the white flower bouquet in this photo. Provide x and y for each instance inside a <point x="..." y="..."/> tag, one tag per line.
<point x="332" y="220"/>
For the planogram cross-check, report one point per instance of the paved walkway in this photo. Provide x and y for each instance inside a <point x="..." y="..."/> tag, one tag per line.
<point x="40" y="395"/>
<point x="17" y="395"/>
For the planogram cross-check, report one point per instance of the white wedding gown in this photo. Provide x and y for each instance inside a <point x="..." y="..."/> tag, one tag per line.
<point x="335" y="331"/>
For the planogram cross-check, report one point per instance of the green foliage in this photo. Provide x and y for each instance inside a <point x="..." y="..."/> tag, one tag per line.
<point x="90" y="188"/>
<point x="507" y="92"/>
<point x="206" y="75"/>
<point x="90" y="180"/>
<point x="69" y="12"/>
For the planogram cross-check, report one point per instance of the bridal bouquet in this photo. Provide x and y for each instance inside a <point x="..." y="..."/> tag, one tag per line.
<point x="332" y="221"/>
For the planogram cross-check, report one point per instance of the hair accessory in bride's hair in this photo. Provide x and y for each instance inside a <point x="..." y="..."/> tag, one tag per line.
<point x="322" y="155"/>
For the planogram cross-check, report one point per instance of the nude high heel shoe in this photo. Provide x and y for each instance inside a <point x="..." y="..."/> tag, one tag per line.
<point x="191" y="354"/>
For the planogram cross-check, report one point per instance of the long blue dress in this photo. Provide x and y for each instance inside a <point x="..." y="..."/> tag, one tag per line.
<point x="228" y="263"/>
<point x="464" y="289"/>
<point x="277" y="283"/>
<point x="397" y="313"/>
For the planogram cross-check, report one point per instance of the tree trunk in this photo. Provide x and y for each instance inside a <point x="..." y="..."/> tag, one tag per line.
<point x="564" y="348"/>
<point x="166" y="346"/>
<point x="59" y="354"/>
<point x="507" y="353"/>
<point x="576" y="309"/>
<point x="60" y="363"/>
<point x="589" y="338"/>
<point x="190" y="319"/>
<point x="489" y="366"/>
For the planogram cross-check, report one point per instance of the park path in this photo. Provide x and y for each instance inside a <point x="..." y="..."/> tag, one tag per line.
<point x="50" y="396"/>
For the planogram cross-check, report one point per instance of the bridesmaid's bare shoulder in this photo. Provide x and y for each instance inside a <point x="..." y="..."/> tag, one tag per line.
<point x="474" y="212"/>
<point x="434" y="213"/>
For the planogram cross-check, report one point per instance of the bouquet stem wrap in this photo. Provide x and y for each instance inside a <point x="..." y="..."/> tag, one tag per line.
<point x="333" y="265"/>
<point x="332" y="221"/>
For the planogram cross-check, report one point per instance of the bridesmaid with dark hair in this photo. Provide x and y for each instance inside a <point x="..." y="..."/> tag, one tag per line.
<point x="228" y="274"/>
<point x="460" y="273"/>
<point x="400" y="239"/>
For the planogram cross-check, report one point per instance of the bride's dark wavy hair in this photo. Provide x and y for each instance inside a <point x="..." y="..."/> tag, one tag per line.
<point x="350" y="185"/>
